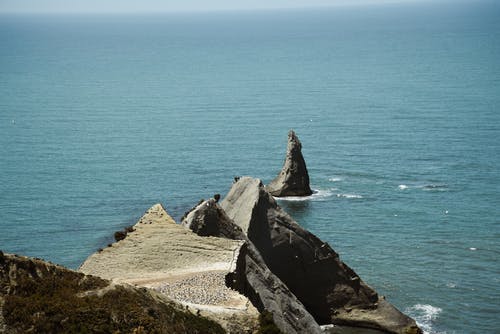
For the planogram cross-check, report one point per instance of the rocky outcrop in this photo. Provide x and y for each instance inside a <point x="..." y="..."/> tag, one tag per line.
<point x="293" y="180"/>
<point x="252" y="277"/>
<point x="39" y="297"/>
<point x="187" y="268"/>
<point x="209" y="219"/>
<point x="330" y="290"/>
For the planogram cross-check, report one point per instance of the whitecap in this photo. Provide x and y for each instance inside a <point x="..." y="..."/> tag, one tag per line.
<point x="473" y="248"/>
<point x="451" y="285"/>
<point x="434" y="187"/>
<point x="350" y="196"/>
<point x="317" y="195"/>
<point x="424" y="315"/>
<point x="335" y="179"/>
<point x="402" y="187"/>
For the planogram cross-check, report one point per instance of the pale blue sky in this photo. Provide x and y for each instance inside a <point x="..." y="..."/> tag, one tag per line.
<point x="169" y="5"/>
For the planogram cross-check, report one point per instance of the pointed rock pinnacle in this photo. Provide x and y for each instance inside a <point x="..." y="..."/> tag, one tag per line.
<point x="293" y="180"/>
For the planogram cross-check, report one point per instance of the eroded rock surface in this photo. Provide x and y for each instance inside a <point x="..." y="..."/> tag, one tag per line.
<point x="252" y="277"/>
<point x="293" y="179"/>
<point x="165" y="256"/>
<point x="330" y="290"/>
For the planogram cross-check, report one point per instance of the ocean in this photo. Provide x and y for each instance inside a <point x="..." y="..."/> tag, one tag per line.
<point x="397" y="107"/>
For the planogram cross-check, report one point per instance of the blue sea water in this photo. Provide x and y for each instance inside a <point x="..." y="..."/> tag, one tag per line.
<point x="397" y="107"/>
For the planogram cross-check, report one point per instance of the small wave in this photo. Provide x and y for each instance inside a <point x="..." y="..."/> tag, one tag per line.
<point x="349" y="196"/>
<point x="402" y="187"/>
<point x="473" y="248"/>
<point x="451" y="285"/>
<point x="335" y="179"/>
<point x="317" y="195"/>
<point x="434" y="187"/>
<point x="424" y="315"/>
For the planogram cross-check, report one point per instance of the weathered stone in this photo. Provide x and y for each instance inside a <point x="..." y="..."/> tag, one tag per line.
<point x="165" y="256"/>
<point x="252" y="277"/>
<point x="120" y="235"/>
<point x="209" y="219"/>
<point x="293" y="180"/>
<point x="330" y="290"/>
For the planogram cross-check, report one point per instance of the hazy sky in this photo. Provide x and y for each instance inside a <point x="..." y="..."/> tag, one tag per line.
<point x="168" y="5"/>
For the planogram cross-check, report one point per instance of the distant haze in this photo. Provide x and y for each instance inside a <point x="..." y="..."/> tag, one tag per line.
<point x="130" y="6"/>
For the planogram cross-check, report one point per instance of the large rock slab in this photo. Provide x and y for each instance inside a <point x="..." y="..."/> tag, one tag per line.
<point x="40" y="297"/>
<point x="252" y="276"/>
<point x="293" y="179"/>
<point x="160" y="249"/>
<point x="165" y="256"/>
<point x="330" y="290"/>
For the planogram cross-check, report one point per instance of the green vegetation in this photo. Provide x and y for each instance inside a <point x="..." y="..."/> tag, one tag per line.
<point x="43" y="298"/>
<point x="267" y="325"/>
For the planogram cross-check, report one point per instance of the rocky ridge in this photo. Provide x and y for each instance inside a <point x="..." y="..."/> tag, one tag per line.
<point x="252" y="276"/>
<point x="334" y="293"/>
<point x="162" y="255"/>
<point x="244" y="264"/>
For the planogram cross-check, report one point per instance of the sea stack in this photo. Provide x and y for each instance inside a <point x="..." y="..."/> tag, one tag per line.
<point x="293" y="180"/>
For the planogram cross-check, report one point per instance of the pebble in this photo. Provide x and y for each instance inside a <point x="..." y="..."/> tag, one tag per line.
<point x="207" y="289"/>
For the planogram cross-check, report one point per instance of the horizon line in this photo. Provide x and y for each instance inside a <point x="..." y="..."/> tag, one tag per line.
<point x="366" y="3"/>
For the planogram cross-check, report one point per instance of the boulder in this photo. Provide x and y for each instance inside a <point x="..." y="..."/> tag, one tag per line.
<point x="252" y="277"/>
<point x="330" y="290"/>
<point x="40" y="297"/>
<point x="293" y="180"/>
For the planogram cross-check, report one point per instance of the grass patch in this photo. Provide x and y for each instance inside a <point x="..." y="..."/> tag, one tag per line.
<point x="43" y="298"/>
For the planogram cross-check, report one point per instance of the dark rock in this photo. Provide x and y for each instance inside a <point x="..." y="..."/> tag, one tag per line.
<point x="293" y="180"/>
<point x="252" y="276"/>
<point x="217" y="197"/>
<point x="209" y="219"/>
<point x="120" y="235"/>
<point x="309" y="267"/>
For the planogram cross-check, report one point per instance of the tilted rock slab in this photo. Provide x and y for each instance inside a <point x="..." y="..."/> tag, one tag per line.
<point x="330" y="290"/>
<point x="293" y="180"/>
<point x="252" y="276"/>
<point x="172" y="259"/>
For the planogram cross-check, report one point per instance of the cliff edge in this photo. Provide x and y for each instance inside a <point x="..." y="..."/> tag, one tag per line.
<point x="40" y="297"/>
<point x="252" y="276"/>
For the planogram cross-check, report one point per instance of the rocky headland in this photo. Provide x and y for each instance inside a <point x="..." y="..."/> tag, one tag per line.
<point x="329" y="289"/>
<point x="241" y="265"/>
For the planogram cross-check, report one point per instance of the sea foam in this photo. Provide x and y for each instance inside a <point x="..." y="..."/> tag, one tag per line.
<point x="350" y="196"/>
<point x="317" y="195"/>
<point x="335" y="179"/>
<point x="425" y="315"/>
